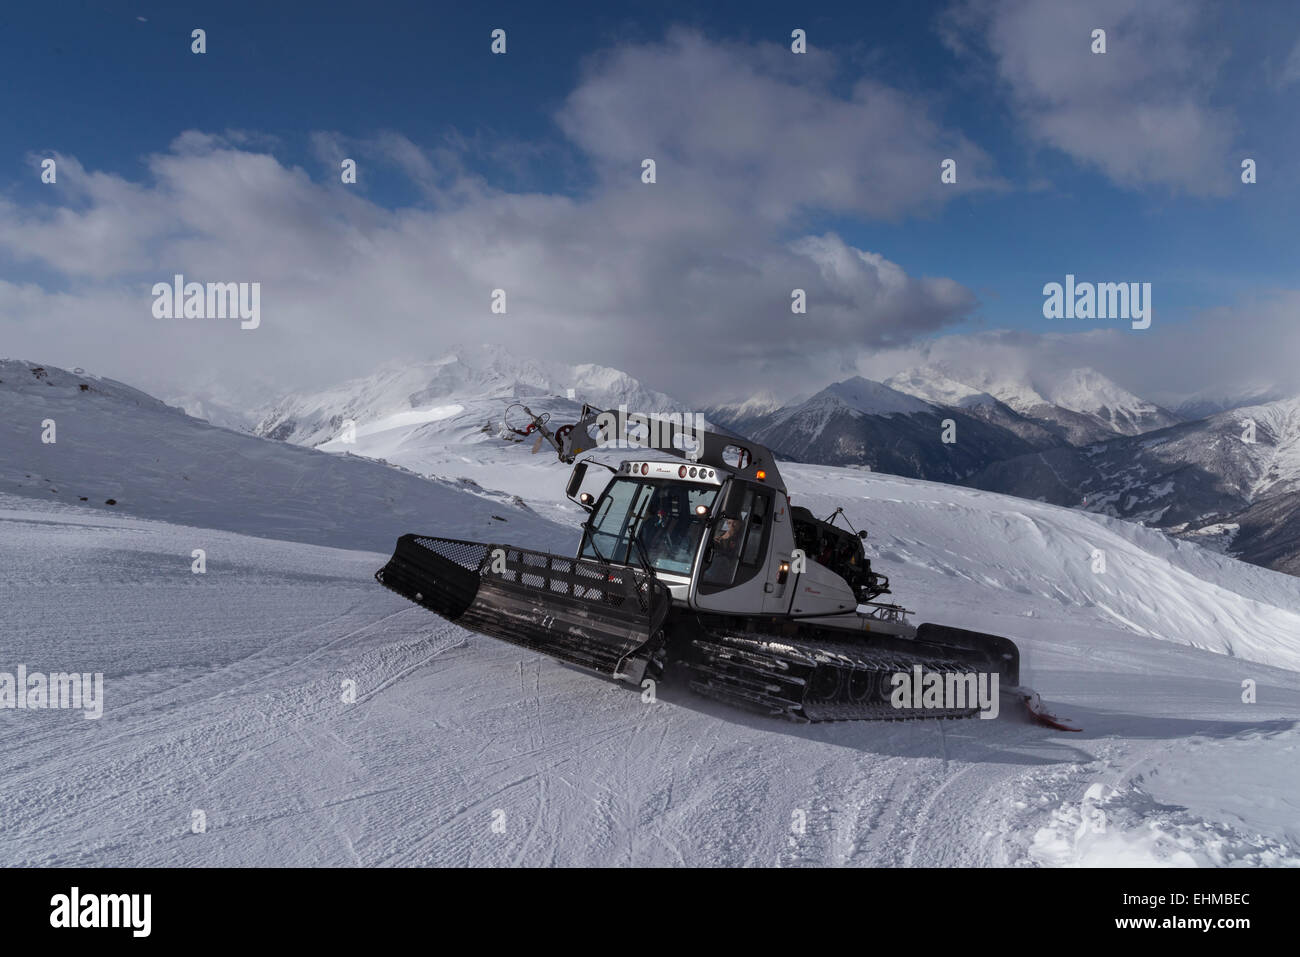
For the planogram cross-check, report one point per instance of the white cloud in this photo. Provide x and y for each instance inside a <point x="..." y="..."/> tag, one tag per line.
<point x="685" y="283"/>
<point x="1291" y="69"/>
<point x="1141" y="113"/>
<point x="1254" y="342"/>
<point x="760" y="127"/>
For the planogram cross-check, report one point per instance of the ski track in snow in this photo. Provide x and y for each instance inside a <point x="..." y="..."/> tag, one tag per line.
<point x="449" y="728"/>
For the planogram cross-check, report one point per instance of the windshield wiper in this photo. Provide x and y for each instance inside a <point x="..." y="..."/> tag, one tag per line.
<point x="590" y="539"/>
<point x="643" y="556"/>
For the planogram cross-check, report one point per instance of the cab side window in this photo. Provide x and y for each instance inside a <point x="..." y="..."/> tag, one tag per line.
<point x="756" y="533"/>
<point x="739" y="541"/>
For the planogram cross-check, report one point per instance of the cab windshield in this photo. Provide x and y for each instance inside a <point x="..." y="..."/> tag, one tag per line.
<point x="659" y="513"/>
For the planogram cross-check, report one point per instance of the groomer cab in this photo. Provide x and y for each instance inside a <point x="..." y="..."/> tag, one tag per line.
<point x="717" y="529"/>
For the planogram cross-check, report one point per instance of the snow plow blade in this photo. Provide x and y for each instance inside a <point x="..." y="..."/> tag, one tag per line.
<point x="603" y="618"/>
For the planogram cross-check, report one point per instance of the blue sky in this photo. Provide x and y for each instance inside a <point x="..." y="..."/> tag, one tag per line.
<point x="1122" y="167"/>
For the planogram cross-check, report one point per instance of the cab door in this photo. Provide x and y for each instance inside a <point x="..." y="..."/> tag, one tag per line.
<point x="782" y="579"/>
<point x="731" y="572"/>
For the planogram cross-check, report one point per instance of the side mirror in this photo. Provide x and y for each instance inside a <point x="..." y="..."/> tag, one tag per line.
<point x="575" y="481"/>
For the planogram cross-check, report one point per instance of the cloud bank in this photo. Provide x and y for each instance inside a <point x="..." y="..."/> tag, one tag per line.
<point x="686" y="282"/>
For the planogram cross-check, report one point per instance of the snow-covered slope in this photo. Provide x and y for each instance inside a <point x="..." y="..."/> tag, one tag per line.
<point x="226" y="411"/>
<point x="1278" y="460"/>
<point x="114" y="442"/>
<point x="226" y="692"/>
<point x="1153" y="585"/>
<point x="1203" y="480"/>
<point x="223" y="695"/>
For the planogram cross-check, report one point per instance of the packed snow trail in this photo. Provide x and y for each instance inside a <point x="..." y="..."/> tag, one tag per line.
<point x="224" y="694"/>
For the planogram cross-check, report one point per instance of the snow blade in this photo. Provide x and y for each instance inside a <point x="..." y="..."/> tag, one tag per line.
<point x="587" y="613"/>
<point x="1040" y="713"/>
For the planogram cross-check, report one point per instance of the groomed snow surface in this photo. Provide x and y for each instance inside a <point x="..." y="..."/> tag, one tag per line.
<point x="224" y="691"/>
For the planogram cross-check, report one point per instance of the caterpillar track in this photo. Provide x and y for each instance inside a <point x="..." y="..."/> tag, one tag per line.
<point x="807" y="679"/>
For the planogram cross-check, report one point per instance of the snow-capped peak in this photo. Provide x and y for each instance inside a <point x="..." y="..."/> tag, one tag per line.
<point x="1011" y="389"/>
<point x="1082" y="391"/>
<point x="763" y="402"/>
<point x="408" y="393"/>
<point x="931" y="384"/>
<point x="1087" y="390"/>
<point x="873" y="398"/>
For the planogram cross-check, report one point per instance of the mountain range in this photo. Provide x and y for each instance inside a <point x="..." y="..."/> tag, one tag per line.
<point x="1076" y="439"/>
